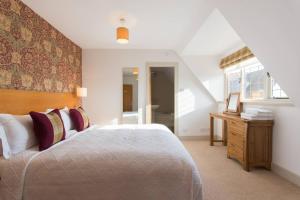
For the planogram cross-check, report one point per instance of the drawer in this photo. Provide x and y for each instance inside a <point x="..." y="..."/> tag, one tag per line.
<point x="236" y="139"/>
<point x="235" y="152"/>
<point x="237" y="126"/>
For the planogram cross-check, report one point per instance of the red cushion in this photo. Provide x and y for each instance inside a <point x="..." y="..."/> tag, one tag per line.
<point x="79" y="118"/>
<point x="49" y="128"/>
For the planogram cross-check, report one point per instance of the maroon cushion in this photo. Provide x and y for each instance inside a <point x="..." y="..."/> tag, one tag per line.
<point x="49" y="128"/>
<point x="79" y="118"/>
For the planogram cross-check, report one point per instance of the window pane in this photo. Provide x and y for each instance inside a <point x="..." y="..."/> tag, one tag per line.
<point x="277" y="92"/>
<point x="250" y="77"/>
<point x="234" y="81"/>
<point x="255" y="81"/>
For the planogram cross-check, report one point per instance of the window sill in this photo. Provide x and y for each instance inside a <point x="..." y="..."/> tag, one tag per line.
<point x="281" y="102"/>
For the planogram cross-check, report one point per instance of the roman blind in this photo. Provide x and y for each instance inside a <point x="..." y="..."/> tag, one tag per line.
<point x="237" y="57"/>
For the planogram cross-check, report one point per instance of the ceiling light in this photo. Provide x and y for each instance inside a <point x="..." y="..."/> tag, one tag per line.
<point x="122" y="33"/>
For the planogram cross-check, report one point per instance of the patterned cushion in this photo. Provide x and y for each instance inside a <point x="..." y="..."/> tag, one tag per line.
<point x="79" y="118"/>
<point x="49" y="128"/>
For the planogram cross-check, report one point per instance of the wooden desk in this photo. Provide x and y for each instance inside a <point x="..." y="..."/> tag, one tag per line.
<point x="224" y="118"/>
<point x="224" y="128"/>
<point x="249" y="141"/>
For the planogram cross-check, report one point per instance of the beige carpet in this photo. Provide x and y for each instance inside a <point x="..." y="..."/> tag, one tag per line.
<point x="224" y="179"/>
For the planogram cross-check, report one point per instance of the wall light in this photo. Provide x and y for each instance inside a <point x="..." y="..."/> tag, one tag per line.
<point x="135" y="71"/>
<point x="81" y="92"/>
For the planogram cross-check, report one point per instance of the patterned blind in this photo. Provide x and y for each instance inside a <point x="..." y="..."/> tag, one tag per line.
<point x="237" y="57"/>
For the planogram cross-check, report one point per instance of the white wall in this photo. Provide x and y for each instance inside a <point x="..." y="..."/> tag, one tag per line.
<point x="102" y="75"/>
<point x="207" y="70"/>
<point x="286" y="137"/>
<point x="271" y="29"/>
<point x="272" y="33"/>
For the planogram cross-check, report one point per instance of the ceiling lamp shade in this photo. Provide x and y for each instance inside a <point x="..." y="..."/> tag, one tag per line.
<point x="122" y="33"/>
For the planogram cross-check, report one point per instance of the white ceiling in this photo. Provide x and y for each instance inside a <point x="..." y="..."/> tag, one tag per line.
<point x="215" y="37"/>
<point x="153" y="24"/>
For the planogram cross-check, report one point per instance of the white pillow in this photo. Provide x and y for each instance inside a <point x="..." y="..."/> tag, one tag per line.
<point x="19" y="132"/>
<point x="4" y="147"/>
<point x="71" y="133"/>
<point x="65" y="116"/>
<point x="68" y="123"/>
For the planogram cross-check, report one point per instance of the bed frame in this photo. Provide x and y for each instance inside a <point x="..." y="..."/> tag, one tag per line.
<point x="20" y="102"/>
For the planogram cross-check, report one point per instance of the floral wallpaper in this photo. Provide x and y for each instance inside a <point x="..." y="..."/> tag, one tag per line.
<point x="33" y="54"/>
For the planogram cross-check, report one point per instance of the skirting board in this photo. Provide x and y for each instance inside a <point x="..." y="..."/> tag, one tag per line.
<point x="284" y="173"/>
<point x="203" y="137"/>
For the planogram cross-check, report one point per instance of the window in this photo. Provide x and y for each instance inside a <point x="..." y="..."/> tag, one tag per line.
<point x="277" y="92"/>
<point x="234" y="81"/>
<point x="252" y="81"/>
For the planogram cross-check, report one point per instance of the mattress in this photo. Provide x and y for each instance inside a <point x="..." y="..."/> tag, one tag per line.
<point x="129" y="162"/>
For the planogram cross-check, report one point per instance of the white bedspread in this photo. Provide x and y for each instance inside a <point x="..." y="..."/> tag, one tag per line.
<point x="127" y="162"/>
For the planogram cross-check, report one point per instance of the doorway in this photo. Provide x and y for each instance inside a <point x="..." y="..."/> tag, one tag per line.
<point x="161" y="99"/>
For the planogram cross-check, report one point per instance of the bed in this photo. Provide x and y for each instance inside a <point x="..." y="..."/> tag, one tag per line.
<point x="124" y="162"/>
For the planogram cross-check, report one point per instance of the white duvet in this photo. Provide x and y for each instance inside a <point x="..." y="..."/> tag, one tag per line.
<point x="125" y="162"/>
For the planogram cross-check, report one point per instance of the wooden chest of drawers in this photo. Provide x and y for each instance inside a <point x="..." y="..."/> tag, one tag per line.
<point x="250" y="142"/>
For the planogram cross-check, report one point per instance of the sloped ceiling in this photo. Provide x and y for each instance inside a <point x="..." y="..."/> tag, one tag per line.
<point x="214" y="37"/>
<point x="269" y="27"/>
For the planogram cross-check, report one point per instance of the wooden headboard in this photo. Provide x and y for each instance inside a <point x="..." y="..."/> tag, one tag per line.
<point x="20" y="102"/>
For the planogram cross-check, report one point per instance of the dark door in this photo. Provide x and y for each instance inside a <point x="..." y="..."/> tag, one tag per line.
<point x="127" y="98"/>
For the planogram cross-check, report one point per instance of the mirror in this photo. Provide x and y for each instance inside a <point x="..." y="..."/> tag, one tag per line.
<point x="233" y="104"/>
<point x="130" y="95"/>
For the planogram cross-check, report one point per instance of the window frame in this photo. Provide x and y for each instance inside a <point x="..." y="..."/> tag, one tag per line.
<point x="268" y="99"/>
<point x="271" y="90"/>
<point x="227" y="80"/>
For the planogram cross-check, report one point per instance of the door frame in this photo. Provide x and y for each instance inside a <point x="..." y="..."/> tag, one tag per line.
<point x="148" y="88"/>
